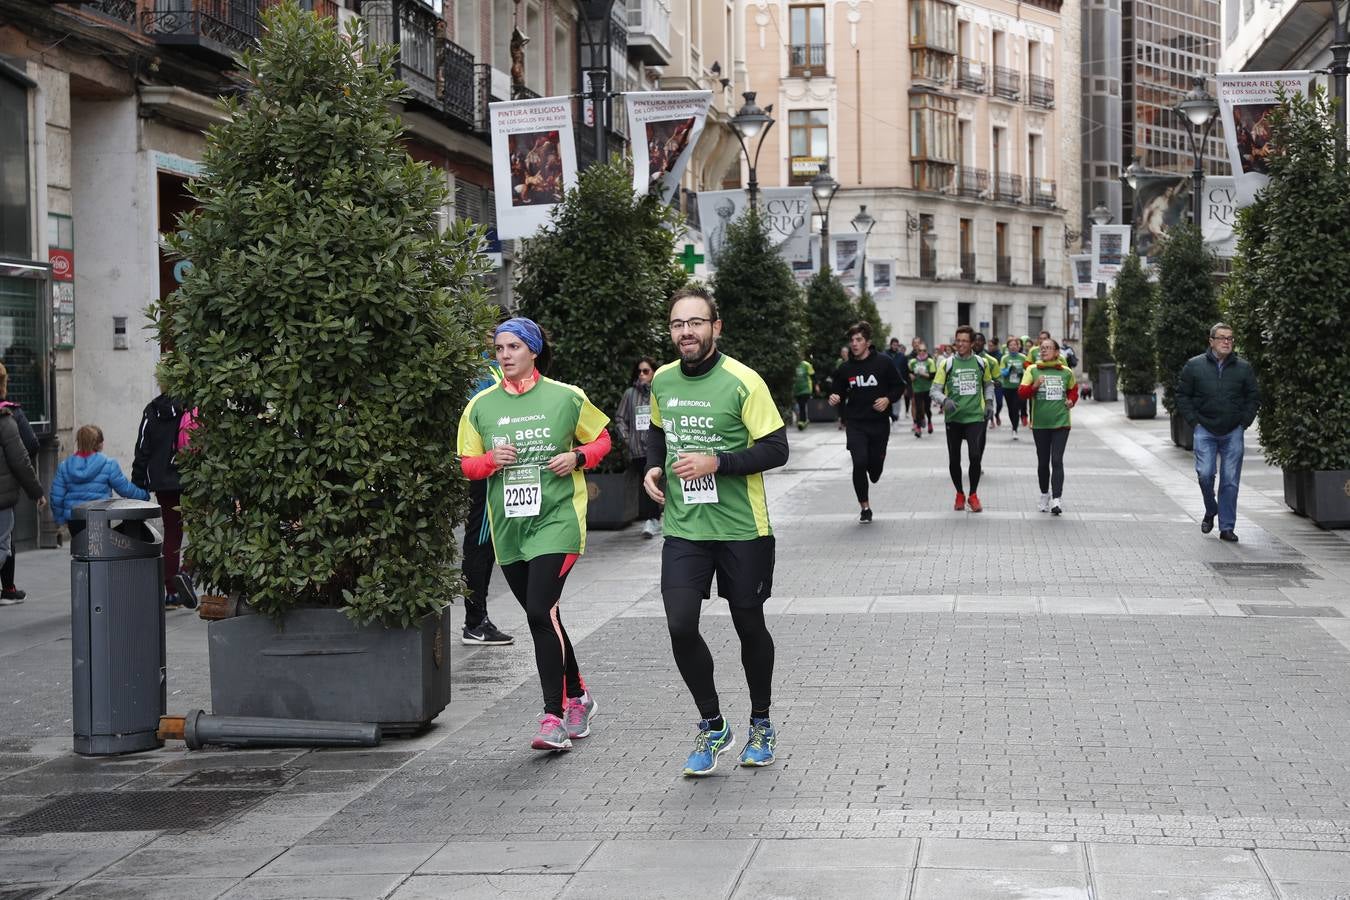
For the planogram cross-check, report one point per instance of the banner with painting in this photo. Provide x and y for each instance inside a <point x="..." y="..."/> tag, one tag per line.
<point x="786" y="211"/>
<point x="882" y="275"/>
<point x="534" y="161"/>
<point x="1219" y="215"/>
<point x="1083" y="284"/>
<point x="846" y="255"/>
<point x="1246" y="100"/>
<point x="1160" y="201"/>
<point x="665" y="126"/>
<point x="1110" y="246"/>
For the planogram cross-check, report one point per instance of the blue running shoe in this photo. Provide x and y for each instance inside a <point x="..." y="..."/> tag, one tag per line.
<point x="707" y="746"/>
<point x="758" y="749"/>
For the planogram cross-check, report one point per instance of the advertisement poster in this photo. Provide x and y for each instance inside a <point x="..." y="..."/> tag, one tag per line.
<point x="787" y="211"/>
<point x="534" y="161"/>
<point x="883" y="278"/>
<point x="1246" y="100"/>
<point x="1110" y="246"/>
<point x="1219" y="215"/>
<point x="669" y="123"/>
<point x="1083" y="284"/>
<point x="1160" y="201"/>
<point x="846" y="252"/>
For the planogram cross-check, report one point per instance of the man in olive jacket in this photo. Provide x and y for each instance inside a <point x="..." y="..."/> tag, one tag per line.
<point x="1218" y="396"/>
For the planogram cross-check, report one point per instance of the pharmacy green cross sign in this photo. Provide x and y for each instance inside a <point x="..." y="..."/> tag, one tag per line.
<point x="689" y="258"/>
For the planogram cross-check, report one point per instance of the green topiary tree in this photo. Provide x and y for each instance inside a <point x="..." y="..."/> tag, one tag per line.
<point x="1187" y="305"/>
<point x="1132" y="301"/>
<point x="868" y="312"/>
<point x="829" y="313"/>
<point x="328" y="335"/>
<point x="598" y="279"/>
<point x="1287" y="293"/>
<point x="762" y="308"/>
<point x="1097" y="337"/>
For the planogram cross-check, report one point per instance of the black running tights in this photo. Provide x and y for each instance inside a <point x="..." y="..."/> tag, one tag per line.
<point x="1050" y="444"/>
<point x="537" y="584"/>
<point x="1017" y="407"/>
<point x="867" y="446"/>
<point x="695" y="662"/>
<point x="973" y="434"/>
<point x="923" y="409"/>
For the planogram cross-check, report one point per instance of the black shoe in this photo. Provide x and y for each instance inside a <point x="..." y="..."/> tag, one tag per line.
<point x="187" y="591"/>
<point x="14" y="594"/>
<point x="1228" y="536"/>
<point x="1206" y="524"/>
<point x="486" y="633"/>
<point x="171" y="601"/>
<point x="865" y="516"/>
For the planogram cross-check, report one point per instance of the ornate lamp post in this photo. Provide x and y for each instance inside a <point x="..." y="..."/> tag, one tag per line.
<point x="863" y="222"/>
<point x="1199" y="110"/>
<point x="748" y="123"/>
<point x="823" y="189"/>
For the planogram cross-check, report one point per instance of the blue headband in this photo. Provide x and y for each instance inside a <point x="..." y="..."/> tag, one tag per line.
<point x="526" y="330"/>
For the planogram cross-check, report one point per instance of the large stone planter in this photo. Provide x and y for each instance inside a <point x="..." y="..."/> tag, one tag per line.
<point x="1104" y="385"/>
<point x="318" y="664"/>
<point x="820" y="410"/>
<point x="1183" y="432"/>
<point x="1296" y="491"/>
<point x="1141" y="406"/>
<point x="1328" y="498"/>
<point x="612" y="500"/>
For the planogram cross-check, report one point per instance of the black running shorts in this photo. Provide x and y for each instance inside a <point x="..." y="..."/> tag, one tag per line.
<point x="744" y="569"/>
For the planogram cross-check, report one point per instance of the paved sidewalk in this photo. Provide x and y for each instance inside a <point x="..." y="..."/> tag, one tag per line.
<point x="1102" y="705"/>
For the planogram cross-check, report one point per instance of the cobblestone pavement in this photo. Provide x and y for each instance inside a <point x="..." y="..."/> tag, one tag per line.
<point x="1102" y="705"/>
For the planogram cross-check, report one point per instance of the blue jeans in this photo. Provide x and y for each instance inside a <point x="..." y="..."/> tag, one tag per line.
<point x="1221" y="452"/>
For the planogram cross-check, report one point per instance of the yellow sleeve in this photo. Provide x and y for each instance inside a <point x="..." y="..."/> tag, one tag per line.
<point x="988" y="370"/>
<point x="468" y="441"/>
<point x="940" y="376"/>
<point x="758" y="412"/>
<point x="657" y="420"/>
<point x="1073" y="382"/>
<point x="591" y="421"/>
<point x="1028" y="375"/>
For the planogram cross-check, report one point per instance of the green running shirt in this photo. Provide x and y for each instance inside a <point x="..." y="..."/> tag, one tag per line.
<point x="967" y="378"/>
<point x="922" y="371"/>
<point x="1049" y="405"/>
<point x="532" y="511"/>
<point x="724" y="410"/>
<point x="1017" y="362"/>
<point x="801" y="378"/>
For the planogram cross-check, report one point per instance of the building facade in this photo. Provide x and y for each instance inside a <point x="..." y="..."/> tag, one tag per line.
<point x="963" y="149"/>
<point x="1276" y="35"/>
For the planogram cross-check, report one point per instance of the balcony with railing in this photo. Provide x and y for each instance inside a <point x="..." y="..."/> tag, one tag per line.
<point x="411" y="26"/>
<point x="1041" y="91"/>
<point x="928" y="262"/>
<point x="1043" y="193"/>
<point x="806" y="58"/>
<point x="967" y="266"/>
<point x="1007" y="83"/>
<point x="970" y="75"/>
<point x="1038" y="272"/>
<point x="123" y="11"/>
<point x="217" y="30"/>
<point x="971" y="182"/>
<point x="455" y="74"/>
<point x="482" y="96"/>
<point x="649" y="32"/>
<point x="1003" y="270"/>
<point x="1007" y="188"/>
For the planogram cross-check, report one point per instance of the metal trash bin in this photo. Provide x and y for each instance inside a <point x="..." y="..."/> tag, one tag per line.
<point x="117" y="628"/>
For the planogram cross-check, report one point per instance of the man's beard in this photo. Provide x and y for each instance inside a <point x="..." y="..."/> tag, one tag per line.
<point x="697" y="353"/>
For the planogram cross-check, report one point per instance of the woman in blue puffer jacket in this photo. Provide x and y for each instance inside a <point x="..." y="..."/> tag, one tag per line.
<point x="88" y="476"/>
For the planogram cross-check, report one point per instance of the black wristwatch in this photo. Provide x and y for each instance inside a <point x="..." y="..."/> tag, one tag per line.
<point x="581" y="460"/>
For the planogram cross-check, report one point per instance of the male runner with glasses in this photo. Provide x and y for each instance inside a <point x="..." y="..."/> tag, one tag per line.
<point x="714" y="431"/>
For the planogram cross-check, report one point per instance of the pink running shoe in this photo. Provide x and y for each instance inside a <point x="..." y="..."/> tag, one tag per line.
<point x="552" y="734"/>
<point x="577" y="715"/>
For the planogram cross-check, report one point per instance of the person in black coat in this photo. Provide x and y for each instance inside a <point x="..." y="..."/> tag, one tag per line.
<point x="154" y="469"/>
<point x="865" y="386"/>
<point x="18" y="445"/>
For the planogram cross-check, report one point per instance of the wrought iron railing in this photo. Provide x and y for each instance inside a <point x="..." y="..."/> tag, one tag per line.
<point x="415" y="38"/>
<point x="967" y="266"/>
<point x="927" y="262"/>
<point x="232" y="24"/>
<point x="970" y="75"/>
<point x="1008" y="188"/>
<point x="1043" y="193"/>
<point x="1040" y="91"/>
<point x="1007" y="83"/>
<point x="971" y="182"/>
<point x="456" y="81"/>
<point x="802" y="57"/>
<point x="122" y="10"/>
<point x="1003" y="269"/>
<point x="1038" y="272"/>
<point x="482" y="96"/>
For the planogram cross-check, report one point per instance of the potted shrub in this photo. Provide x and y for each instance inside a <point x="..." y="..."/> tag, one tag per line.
<point x="1187" y="307"/>
<point x="761" y="305"/>
<point x="1097" y="351"/>
<point x="598" y="279"/>
<point x="1132" y="339"/>
<point x="829" y="314"/>
<point x="1286" y="298"/>
<point x="328" y="336"/>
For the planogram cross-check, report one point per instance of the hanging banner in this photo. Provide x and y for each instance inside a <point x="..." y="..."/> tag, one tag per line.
<point x="882" y="278"/>
<point x="669" y="123"/>
<point x="1246" y="100"/>
<point x="846" y="253"/>
<point x="1110" y="246"/>
<point x="1219" y="215"/>
<point x="1160" y="201"/>
<point x="1083" y="285"/>
<point x="534" y="162"/>
<point x="787" y="212"/>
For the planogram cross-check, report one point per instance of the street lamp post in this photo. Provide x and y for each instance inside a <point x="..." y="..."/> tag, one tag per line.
<point x="864" y="223"/>
<point x="1199" y="110"/>
<point x="748" y="123"/>
<point x="823" y="189"/>
<point x="1340" y="67"/>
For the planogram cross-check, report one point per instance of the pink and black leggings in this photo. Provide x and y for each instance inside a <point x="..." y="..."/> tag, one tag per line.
<point x="538" y="584"/>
